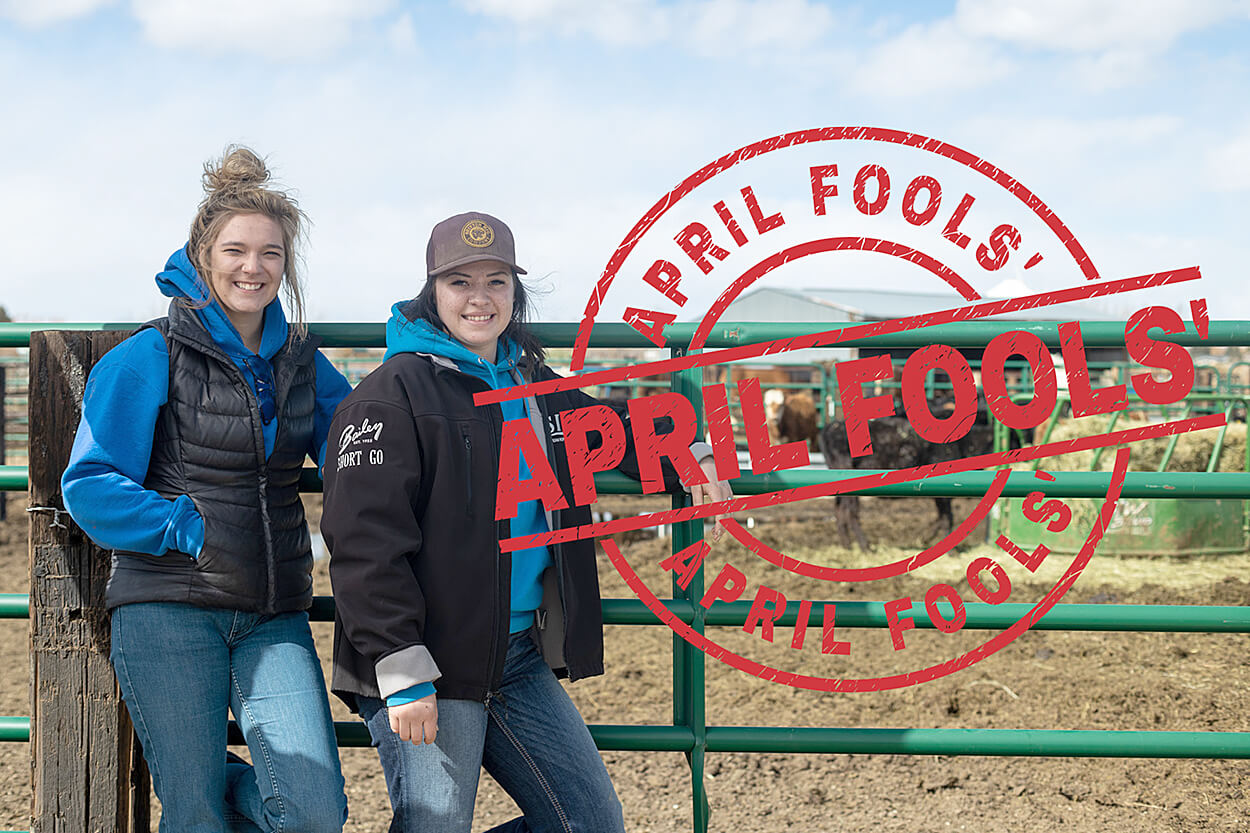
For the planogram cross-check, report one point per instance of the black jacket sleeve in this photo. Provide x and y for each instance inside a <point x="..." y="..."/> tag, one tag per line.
<point x="372" y="473"/>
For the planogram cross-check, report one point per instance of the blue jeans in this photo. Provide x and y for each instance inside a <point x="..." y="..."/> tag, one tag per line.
<point x="530" y="738"/>
<point x="180" y="668"/>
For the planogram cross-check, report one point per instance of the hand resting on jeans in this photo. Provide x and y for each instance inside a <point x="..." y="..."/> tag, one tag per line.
<point x="416" y="721"/>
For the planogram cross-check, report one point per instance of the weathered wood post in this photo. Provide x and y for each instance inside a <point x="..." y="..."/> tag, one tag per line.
<point x="87" y="770"/>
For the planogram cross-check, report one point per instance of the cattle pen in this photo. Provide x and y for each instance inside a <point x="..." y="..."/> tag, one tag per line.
<point x="88" y="774"/>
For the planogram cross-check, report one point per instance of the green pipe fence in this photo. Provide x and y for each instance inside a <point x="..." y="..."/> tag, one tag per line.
<point x="959" y="334"/>
<point x="15" y="729"/>
<point x="14" y="605"/>
<point x="690" y="733"/>
<point x="1062" y="617"/>
<point x="689" y="679"/>
<point x="1014" y="742"/>
<point x="1075" y="743"/>
<point x="802" y="740"/>
<point x="13" y="479"/>
<point x="1232" y="485"/>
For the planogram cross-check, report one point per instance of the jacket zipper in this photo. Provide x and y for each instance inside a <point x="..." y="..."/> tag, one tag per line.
<point x="498" y="633"/>
<point x="557" y="556"/>
<point x="262" y="487"/>
<point x="468" y="468"/>
<point x="557" y="553"/>
<point x="262" y="470"/>
<point x="499" y="651"/>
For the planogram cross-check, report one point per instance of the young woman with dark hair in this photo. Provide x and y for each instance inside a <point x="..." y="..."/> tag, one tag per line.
<point x="448" y="647"/>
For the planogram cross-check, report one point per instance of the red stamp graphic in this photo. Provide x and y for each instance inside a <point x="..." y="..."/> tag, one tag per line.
<point x="858" y="201"/>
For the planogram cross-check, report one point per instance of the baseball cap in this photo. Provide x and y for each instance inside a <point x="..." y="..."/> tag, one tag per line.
<point x="467" y="237"/>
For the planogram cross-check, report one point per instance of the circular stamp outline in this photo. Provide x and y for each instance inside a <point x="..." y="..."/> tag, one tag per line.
<point x="800" y="137"/>
<point x="940" y="270"/>
<point x="922" y="675"/>
<point x="881" y="571"/>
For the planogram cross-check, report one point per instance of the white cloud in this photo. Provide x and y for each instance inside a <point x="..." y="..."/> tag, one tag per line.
<point x="1094" y="25"/>
<point x="1084" y="167"/>
<point x="47" y="12"/>
<point x="928" y="58"/>
<point x="622" y="22"/>
<point x="1115" y="42"/>
<point x="1048" y="138"/>
<point x="1228" y="164"/>
<point x="722" y="27"/>
<point x="1111" y="69"/>
<point x="536" y="11"/>
<point x="402" y="35"/>
<point x="278" y="28"/>
<point x="707" y="27"/>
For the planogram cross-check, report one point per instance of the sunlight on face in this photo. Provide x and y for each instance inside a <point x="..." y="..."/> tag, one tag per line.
<point x="246" y="264"/>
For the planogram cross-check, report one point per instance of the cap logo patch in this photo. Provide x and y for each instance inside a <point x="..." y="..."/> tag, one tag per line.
<point x="477" y="234"/>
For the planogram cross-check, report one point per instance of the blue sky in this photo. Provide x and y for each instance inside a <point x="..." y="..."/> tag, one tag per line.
<point x="569" y="120"/>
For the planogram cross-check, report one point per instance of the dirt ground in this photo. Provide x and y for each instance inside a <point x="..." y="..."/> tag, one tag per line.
<point x="1043" y="680"/>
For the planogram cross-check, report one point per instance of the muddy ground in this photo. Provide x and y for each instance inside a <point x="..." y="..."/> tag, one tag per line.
<point x="1043" y="680"/>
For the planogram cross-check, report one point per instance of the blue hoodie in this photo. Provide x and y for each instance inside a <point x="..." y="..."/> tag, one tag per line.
<point x="103" y="483"/>
<point x="405" y="336"/>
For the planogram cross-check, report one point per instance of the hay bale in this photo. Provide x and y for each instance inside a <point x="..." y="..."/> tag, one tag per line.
<point x="1193" y="451"/>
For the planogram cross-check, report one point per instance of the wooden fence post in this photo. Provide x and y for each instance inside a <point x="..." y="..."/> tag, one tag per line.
<point x="87" y="770"/>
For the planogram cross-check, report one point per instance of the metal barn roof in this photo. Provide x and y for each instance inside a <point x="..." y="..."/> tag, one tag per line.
<point x="850" y="304"/>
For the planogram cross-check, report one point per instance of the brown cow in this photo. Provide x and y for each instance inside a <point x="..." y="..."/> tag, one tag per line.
<point x="798" y="419"/>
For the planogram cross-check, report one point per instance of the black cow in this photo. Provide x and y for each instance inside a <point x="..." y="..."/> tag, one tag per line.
<point x="896" y="445"/>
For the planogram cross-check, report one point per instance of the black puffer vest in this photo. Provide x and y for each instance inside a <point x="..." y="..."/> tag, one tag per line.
<point x="209" y="445"/>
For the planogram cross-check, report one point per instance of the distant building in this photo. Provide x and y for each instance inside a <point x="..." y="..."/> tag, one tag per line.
<point x="840" y="306"/>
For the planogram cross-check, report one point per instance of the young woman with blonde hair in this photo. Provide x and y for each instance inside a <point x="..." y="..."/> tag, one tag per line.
<point x="186" y="464"/>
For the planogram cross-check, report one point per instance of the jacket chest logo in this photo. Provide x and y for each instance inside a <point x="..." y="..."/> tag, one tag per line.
<point x="554" y="428"/>
<point x="367" y="433"/>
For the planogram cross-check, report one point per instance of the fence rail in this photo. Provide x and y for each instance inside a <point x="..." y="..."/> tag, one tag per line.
<point x="690" y="733"/>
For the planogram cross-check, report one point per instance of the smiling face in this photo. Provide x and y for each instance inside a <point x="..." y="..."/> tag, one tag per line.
<point x="474" y="302"/>
<point x="246" y="263"/>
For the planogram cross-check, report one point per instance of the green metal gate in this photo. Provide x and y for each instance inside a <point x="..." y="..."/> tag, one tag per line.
<point x="689" y="732"/>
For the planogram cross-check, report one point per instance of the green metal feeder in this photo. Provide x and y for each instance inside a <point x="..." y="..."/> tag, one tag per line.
<point x="1148" y="526"/>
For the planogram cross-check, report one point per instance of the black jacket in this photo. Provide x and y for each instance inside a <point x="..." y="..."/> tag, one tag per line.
<point x="209" y="445"/>
<point x="421" y="587"/>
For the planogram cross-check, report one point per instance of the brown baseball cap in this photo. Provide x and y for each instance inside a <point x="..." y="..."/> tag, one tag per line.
<point x="467" y="237"/>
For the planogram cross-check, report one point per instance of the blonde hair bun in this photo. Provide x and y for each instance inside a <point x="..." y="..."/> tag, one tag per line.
<point x="236" y="184"/>
<point x="238" y="167"/>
